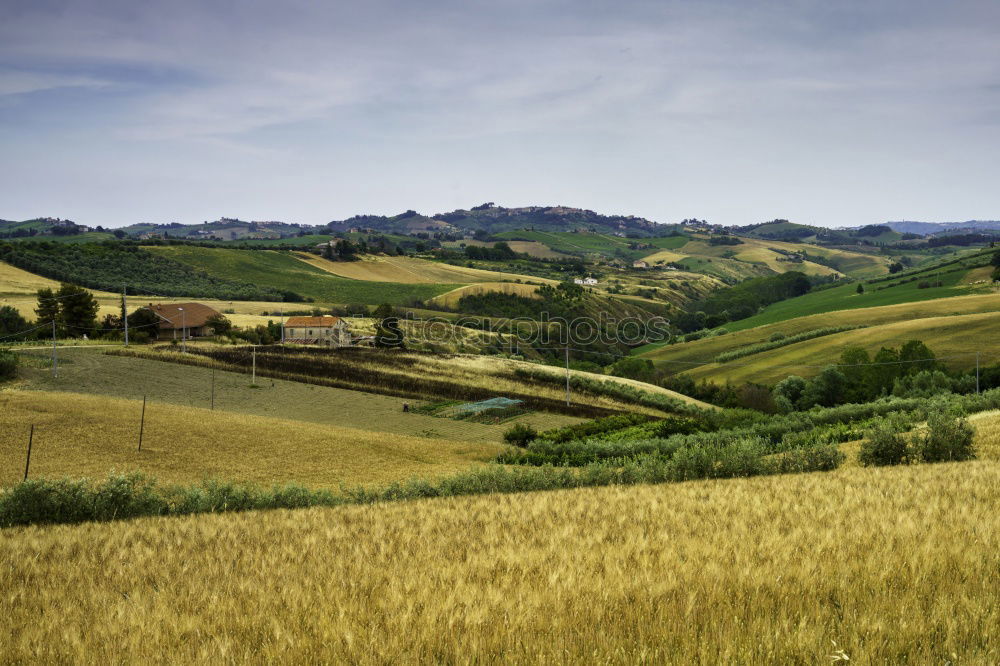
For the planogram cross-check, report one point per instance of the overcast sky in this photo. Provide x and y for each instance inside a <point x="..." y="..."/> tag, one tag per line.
<point x="820" y="111"/>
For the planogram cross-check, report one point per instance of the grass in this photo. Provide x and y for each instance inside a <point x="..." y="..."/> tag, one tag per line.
<point x="899" y="568"/>
<point x="86" y="435"/>
<point x="309" y="240"/>
<point x="92" y="372"/>
<point x="282" y="270"/>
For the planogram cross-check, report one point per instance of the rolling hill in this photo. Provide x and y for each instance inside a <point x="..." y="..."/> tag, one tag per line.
<point x="285" y="271"/>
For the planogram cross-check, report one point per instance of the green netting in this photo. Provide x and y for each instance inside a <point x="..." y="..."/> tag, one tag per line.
<point x="492" y="403"/>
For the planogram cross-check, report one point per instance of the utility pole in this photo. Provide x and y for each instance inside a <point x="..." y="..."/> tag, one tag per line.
<point x="213" y="387"/>
<point x="253" y="380"/>
<point x="142" y="422"/>
<point x="281" y="313"/>
<point x="977" y="372"/>
<point x="184" y="346"/>
<point x="125" y="314"/>
<point x="567" y="375"/>
<point x="55" y="359"/>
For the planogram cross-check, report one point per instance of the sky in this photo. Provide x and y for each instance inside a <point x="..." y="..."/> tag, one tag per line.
<point x="832" y="113"/>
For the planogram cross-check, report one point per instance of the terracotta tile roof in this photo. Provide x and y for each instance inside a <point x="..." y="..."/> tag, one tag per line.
<point x="194" y="314"/>
<point x="316" y="322"/>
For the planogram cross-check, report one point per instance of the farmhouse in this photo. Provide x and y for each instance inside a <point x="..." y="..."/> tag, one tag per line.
<point x="640" y="264"/>
<point x="325" y="330"/>
<point x="589" y="281"/>
<point x="184" y="319"/>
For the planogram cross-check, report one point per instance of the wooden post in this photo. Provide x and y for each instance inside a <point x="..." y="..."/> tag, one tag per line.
<point x="142" y="422"/>
<point x="977" y="373"/>
<point x="253" y="381"/>
<point x="55" y="358"/>
<point x="213" y="388"/>
<point x="27" y="462"/>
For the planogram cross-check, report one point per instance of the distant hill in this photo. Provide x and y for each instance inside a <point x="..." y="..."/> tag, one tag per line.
<point x="928" y="228"/>
<point x="492" y="219"/>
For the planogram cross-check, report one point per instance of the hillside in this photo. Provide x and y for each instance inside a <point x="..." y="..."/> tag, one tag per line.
<point x="699" y="572"/>
<point x="496" y="219"/>
<point x="286" y="272"/>
<point x="182" y="444"/>
<point x="934" y="282"/>
<point x="955" y="339"/>
<point x="927" y="228"/>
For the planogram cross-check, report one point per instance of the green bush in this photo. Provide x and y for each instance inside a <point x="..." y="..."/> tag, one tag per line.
<point x="8" y="365"/>
<point x="946" y="439"/>
<point x="520" y="435"/>
<point x="884" y="445"/>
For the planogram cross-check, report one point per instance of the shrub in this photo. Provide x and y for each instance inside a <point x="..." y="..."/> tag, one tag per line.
<point x="8" y="365"/>
<point x="884" y="445"/>
<point x="946" y="439"/>
<point x="520" y="435"/>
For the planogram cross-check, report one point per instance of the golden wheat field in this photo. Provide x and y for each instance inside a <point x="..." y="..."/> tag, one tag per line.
<point x="451" y="298"/>
<point x="90" y="436"/>
<point x="406" y="270"/>
<point x="882" y="566"/>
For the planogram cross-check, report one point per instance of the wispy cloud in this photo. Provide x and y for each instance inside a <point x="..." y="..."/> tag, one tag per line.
<point x="326" y="85"/>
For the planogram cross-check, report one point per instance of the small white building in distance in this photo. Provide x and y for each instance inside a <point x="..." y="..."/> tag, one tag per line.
<point x="588" y="281"/>
<point x="326" y="331"/>
<point x="640" y="264"/>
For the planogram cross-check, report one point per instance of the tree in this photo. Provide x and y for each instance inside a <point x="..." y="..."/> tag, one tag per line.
<point x="77" y="309"/>
<point x="47" y="309"/>
<point x="632" y="367"/>
<point x="946" y="439"/>
<point x="827" y="388"/>
<point x="895" y="267"/>
<point x="788" y="393"/>
<point x="219" y="324"/>
<point x="388" y="335"/>
<point x="143" y="324"/>
<point x="861" y="288"/>
<point x="915" y="356"/>
<point x="11" y="321"/>
<point x="856" y="367"/>
<point x="383" y="311"/>
<point x="884" y="445"/>
<point x="885" y="369"/>
<point x="995" y="259"/>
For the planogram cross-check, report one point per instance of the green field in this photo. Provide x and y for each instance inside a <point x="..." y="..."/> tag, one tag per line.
<point x="283" y="271"/>
<point x="92" y="372"/>
<point x="845" y="297"/>
<point x="86" y="237"/>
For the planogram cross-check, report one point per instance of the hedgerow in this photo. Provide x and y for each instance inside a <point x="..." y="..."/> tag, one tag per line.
<point x="134" y="495"/>
<point x="749" y="350"/>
